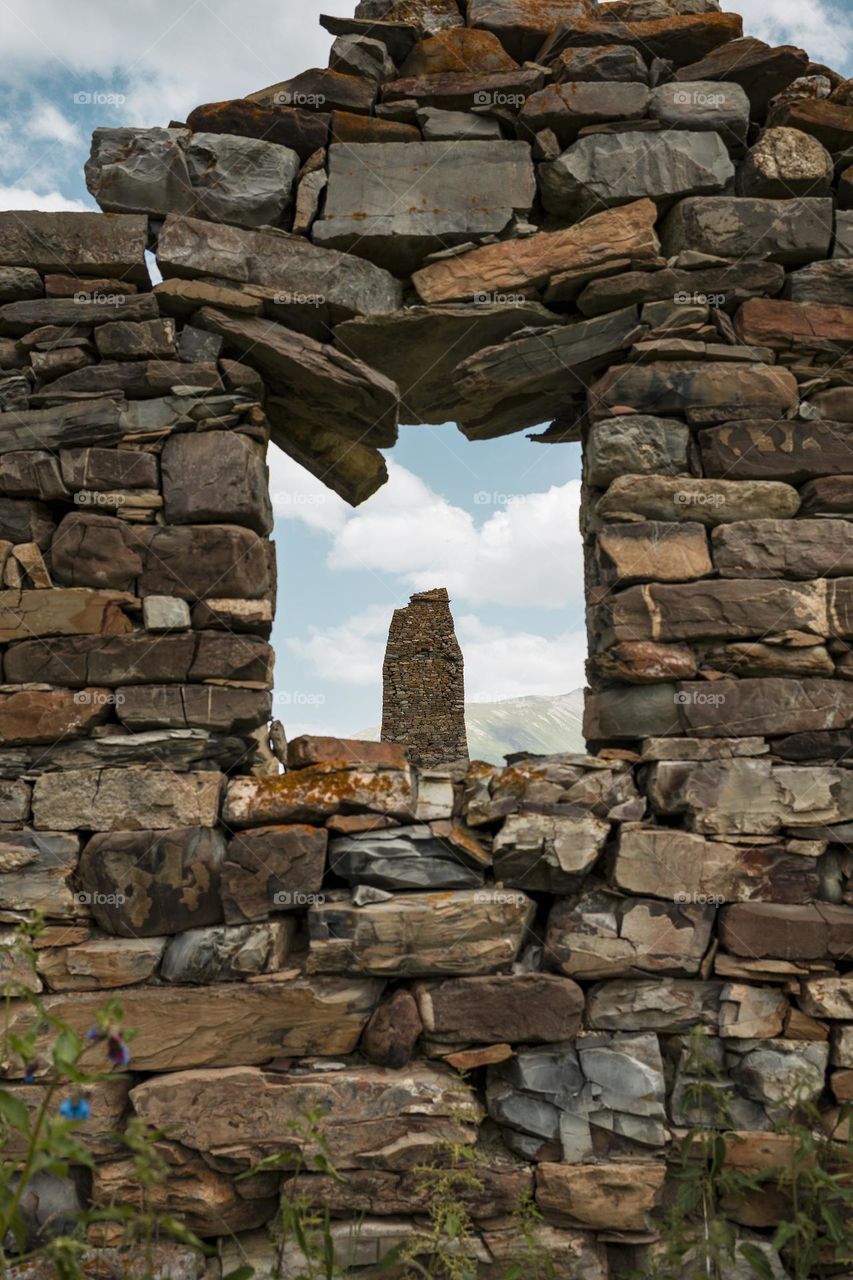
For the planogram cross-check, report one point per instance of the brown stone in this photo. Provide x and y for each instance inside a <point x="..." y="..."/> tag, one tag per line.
<point x="174" y="706"/>
<point x="829" y="997"/>
<point x="350" y="128"/>
<point x="459" y="50"/>
<point x="789" y="326"/>
<point x="820" y="931"/>
<point x="125" y="800"/>
<point x="603" y="935"/>
<point x="33" y="473"/>
<point x="323" y="385"/>
<point x="829" y="495"/>
<point x="142" y="379"/>
<point x="319" y="89"/>
<point x="710" y="391"/>
<point x="230" y="481"/>
<point x="680" y="39"/>
<point x="569" y="107"/>
<point x="617" y="1196"/>
<point x="79" y="243"/>
<point x="226" y="1025"/>
<point x="47" y="717"/>
<point x="371" y="1117"/>
<point x="525" y="1008"/>
<point x="198" y="561"/>
<point x="36" y="872"/>
<point x="730" y="283"/>
<point x="805" y="549"/>
<point x="24" y="614"/>
<point x="289" y="126"/>
<point x="708" y="502"/>
<point x="654" y="550"/>
<point x="393" y="1031"/>
<point x="612" y="235"/>
<point x="645" y="662"/>
<point x="106" y="469"/>
<point x="451" y="91"/>
<point x="829" y="122"/>
<point x="272" y="869"/>
<point x="420" y="934"/>
<point x="315" y="793"/>
<point x="759" y="69"/>
<point x="311" y="749"/>
<point x="353" y="470"/>
<point x="100" y="963"/>
<point x="778" y="450"/>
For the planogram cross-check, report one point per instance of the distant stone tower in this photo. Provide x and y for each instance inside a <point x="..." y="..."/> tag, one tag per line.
<point x="424" y="681"/>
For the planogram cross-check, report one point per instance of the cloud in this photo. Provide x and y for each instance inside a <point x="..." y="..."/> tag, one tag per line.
<point x="48" y="202"/>
<point x="48" y="123"/>
<point x="823" y="29"/>
<point x="527" y="552"/>
<point x="499" y="662"/>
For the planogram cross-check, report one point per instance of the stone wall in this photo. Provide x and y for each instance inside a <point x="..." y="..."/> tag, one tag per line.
<point x="628" y="219"/>
<point x="423" y="681"/>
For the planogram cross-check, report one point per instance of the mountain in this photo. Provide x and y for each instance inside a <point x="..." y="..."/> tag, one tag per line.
<point x="544" y="725"/>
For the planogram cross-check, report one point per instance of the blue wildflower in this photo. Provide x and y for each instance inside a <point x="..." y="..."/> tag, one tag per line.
<point x="75" y="1109"/>
<point x="117" y="1051"/>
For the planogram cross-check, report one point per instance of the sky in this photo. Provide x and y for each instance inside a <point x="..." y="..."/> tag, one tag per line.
<point x="495" y="522"/>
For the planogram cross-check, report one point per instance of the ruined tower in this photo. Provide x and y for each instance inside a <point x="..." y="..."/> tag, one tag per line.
<point x="423" y="681"/>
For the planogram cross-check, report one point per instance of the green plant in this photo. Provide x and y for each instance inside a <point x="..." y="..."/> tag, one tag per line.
<point x="41" y="1119"/>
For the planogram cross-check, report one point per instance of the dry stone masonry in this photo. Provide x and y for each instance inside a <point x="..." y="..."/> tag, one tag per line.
<point x="424" y="682"/>
<point x="629" y="221"/>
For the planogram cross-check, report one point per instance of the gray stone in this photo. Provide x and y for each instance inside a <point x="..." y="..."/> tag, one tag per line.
<point x="601" y="62"/>
<point x="324" y="387"/>
<point x="195" y="345"/>
<point x="525" y="378"/>
<point x="708" y="502"/>
<point x="605" y="935"/>
<point x="140" y="171"/>
<point x="785" y="164"/>
<point x="361" y="56"/>
<point x="419" y="348"/>
<point x="243" y="181"/>
<point x="346" y="285"/>
<point x="618" y="168"/>
<point x="215" y="477"/>
<point x="668" y="1005"/>
<point x="457" y="126"/>
<point x="703" y="104"/>
<point x="222" y="954"/>
<point x="105" y="470"/>
<point x="395" y="203"/>
<point x="788" y="231"/>
<point x="829" y="283"/>
<point x="635" y="445"/>
<point x="523" y="28"/>
<point x="548" y="852"/>
<point x="843" y="247"/>
<point x="20" y="283"/>
<point x="76" y="243"/>
<point x="402" y="858"/>
<point x="805" y="549"/>
<point x="143" y="708"/>
<point x="36" y="873"/>
<point x="569" y="107"/>
<point x="165" y="613"/>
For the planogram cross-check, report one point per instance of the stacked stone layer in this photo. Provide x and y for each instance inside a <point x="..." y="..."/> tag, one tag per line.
<point x="626" y="218"/>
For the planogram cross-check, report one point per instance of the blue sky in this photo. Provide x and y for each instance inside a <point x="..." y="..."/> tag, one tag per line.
<point x="495" y="522"/>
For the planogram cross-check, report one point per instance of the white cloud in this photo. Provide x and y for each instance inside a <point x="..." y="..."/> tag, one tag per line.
<point x="528" y="552"/>
<point x="48" y="123"/>
<point x="48" y="202"/>
<point x="297" y="495"/>
<point x="176" y="53"/>
<point x="824" y="30"/>
<point x="499" y="662"/>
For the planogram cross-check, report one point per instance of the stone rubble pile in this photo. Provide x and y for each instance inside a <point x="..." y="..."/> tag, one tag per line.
<point x="627" y="220"/>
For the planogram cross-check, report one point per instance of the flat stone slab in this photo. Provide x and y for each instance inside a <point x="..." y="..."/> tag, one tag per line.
<point x="420" y="934"/>
<point x="609" y="169"/>
<point x="346" y="285"/>
<point x="793" y="451"/>
<point x="394" y="203"/>
<point x="125" y="800"/>
<point x="79" y="243"/>
<point x="789" y="231"/>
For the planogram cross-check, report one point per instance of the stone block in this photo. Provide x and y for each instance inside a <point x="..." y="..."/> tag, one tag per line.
<point x="805" y="549"/>
<point x="215" y="477"/>
<point x="524" y="1008"/>
<point x="707" y="502"/>
<point x="820" y="931"/>
<point x="223" y="954"/>
<point x="705" y="393"/>
<point x="125" y="800"/>
<point x="402" y="858"/>
<point x="316" y="793"/>
<point x="635" y="445"/>
<point x="793" y="232"/>
<point x="79" y="243"/>
<point x="698" y="105"/>
<point x="617" y="1196"/>
<point x="272" y="869"/>
<point x="653" y="550"/>
<point x="36" y="873"/>
<point x="545" y="852"/>
<point x="568" y="107"/>
<point x="760" y="70"/>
